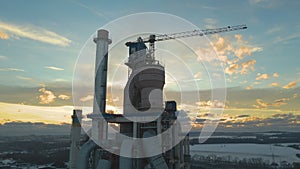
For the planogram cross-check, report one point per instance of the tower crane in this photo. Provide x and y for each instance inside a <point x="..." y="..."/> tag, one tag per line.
<point x="140" y="43"/>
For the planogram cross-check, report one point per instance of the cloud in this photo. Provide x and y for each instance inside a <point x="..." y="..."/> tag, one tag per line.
<point x="60" y="80"/>
<point x="260" y="104"/>
<point x="280" y="102"/>
<point x="256" y="49"/>
<point x="35" y="33"/>
<point x="3" y="35"/>
<point x="11" y="69"/>
<point x="46" y="97"/>
<point x="275" y="84"/>
<point x="64" y="97"/>
<point x="247" y="65"/>
<point x="255" y="1"/>
<point x="290" y="85"/>
<point x="225" y="49"/>
<point x="273" y="30"/>
<point x="29" y="113"/>
<point x="277" y="121"/>
<point x="198" y="75"/>
<point x="2" y="57"/>
<point x="245" y="49"/>
<point x="286" y="39"/>
<point x="243" y="116"/>
<point x="24" y="78"/>
<point x="262" y="76"/>
<point x="54" y="68"/>
<point x="87" y="98"/>
<point x="263" y="3"/>
<point x="93" y="10"/>
<point x="241" y="52"/>
<point x="231" y="69"/>
<point x="211" y="104"/>
<point x="295" y="95"/>
<point x="248" y="122"/>
<point x="220" y="44"/>
<point x="210" y="23"/>
<point x="216" y="75"/>
<point x="206" y="55"/>
<point x="275" y="75"/>
<point x="249" y="87"/>
<point x="239" y="38"/>
<point x="20" y="128"/>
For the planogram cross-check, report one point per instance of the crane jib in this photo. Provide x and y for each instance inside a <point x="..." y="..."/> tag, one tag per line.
<point x="139" y="45"/>
<point x="152" y="38"/>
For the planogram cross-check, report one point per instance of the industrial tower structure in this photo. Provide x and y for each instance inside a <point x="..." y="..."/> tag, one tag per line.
<point x="144" y="115"/>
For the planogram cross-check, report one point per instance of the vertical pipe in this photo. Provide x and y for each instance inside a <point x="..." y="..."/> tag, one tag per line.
<point x="102" y="42"/>
<point x="126" y="148"/>
<point x="135" y="130"/>
<point x="84" y="154"/>
<point x="99" y="126"/>
<point x="75" y="138"/>
<point x="150" y="146"/>
<point x="158" y="125"/>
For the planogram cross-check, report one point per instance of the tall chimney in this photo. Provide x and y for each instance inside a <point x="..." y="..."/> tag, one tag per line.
<point x="75" y="138"/>
<point x="99" y="125"/>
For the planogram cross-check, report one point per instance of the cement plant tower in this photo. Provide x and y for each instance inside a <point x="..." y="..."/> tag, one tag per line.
<point x="145" y="116"/>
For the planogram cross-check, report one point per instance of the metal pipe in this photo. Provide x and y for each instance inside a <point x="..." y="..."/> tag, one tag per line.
<point x="126" y="148"/>
<point x="99" y="126"/>
<point x="84" y="153"/>
<point x="104" y="164"/>
<point x="102" y="42"/>
<point x="75" y="137"/>
<point x="156" y="162"/>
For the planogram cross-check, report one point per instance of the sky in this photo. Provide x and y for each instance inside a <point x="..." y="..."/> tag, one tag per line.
<point x="40" y="42"/>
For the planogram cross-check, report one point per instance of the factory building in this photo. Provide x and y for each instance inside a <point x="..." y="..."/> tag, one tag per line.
<point x="150" y="135"/>
<point x="144" y="117"/>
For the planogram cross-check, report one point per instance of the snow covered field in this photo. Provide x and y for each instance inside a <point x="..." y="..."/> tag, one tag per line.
<point x="264" y="151"/>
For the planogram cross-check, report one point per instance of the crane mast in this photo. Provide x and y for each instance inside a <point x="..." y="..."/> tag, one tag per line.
<point x="140" y="43"/>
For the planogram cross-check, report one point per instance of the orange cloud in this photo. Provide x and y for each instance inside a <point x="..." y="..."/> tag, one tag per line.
<point x="54" y="68"/>
<point x="47" y="96"/>
<point x="295" y="95"/>
<point x="260" y="104"/>
<point x="64" y="97"/>
<point x="198" y="75"/>
<point x="86" y="98"/>
<point x="24" y="78"/>
<point x="224" y="49"/>
<point x="256" y="49"/>
<point x="220" y="44"/>
<point x="239" y="38"/>
<point x="241" y="52"/>
<point x="280" y="102"/>
<point x="247" y="65"/>
<point x="12" y="69"/>
<point x="35" y="33"/>
<point x="216" y="75"/>
<point x="2" y="57"/>
<point x="275" y="84"/>
<point x="249" y="88"/>
<point x="262" y="76"/>
<point x="211" y="104"/>
<point x="3" y="35"/>
<point x="28" y="113"/>
<point x="290" y="85"/>
<point x="232" y="69"/>
<point x="275" y="75"/>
